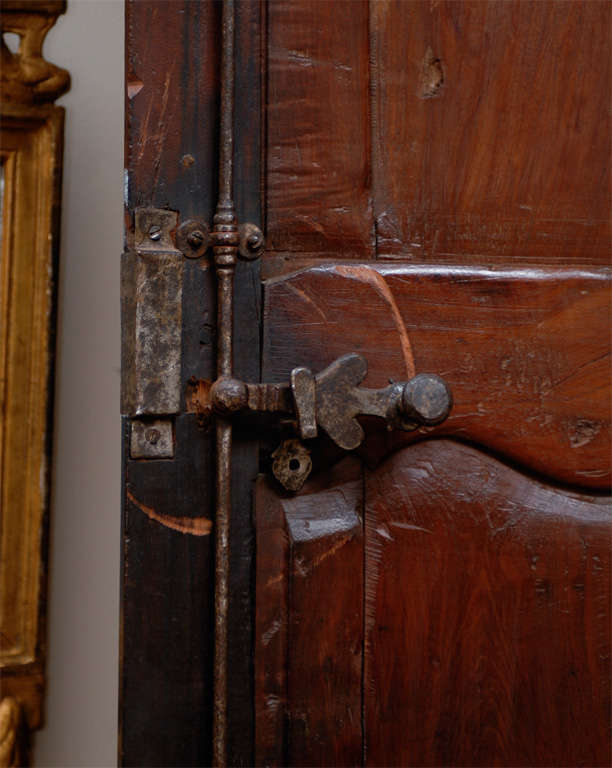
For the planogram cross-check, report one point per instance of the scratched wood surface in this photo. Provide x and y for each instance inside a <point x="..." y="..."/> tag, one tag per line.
<point x="438" y="131"/>
<point x="526" y="353"/>
<point x="477" y="598"/>
<point x="309" y="621"/>
<point x="318" y="129"/>
<point x="469" y="560"/>
<point x="172" y="79"/>
<point x="166" y="667"/>
<point x="487" y="615"/>
<point x="482" y="143"/>
<point x="271" y="628"/>
<point x="491" y="131"/>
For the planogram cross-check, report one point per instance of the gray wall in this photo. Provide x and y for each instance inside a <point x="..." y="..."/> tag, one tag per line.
<point x="81" y="710"/>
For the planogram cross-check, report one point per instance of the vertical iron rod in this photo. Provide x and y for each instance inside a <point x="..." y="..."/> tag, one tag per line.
<point x="225" y="249"/>
<point x="226" y="149"/>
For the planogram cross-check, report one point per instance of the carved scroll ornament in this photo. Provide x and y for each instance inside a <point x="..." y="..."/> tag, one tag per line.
<point x="12" y="752"/>
<point x="25" y="76"/>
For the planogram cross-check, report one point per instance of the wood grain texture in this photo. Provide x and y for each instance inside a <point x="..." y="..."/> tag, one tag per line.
<point x="271" y="627"/>
<point x="318" y="131"/>
<point x="476" y="130"/>
<point x="172" y="83"/>
<point x="487" y="615"/>
<point x="473" y="133"/>
<point x="173" y="55"/>
<point x="167" y="607"/>
<point x="172" y="63"/>
<point x="526" y="353"/>
<point x="309" y="625"/>
<point x="491" y="131"/>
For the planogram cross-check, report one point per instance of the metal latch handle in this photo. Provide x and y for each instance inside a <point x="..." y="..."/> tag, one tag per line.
<point x="332" y="400"/>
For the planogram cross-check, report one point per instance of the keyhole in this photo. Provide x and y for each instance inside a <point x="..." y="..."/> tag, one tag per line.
<point x="294" y="464"/>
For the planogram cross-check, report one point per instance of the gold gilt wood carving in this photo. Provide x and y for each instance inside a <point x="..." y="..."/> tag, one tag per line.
<point x="26" y="78"/>
<point x="12" y="752"/>
<point x="31" y="142"/>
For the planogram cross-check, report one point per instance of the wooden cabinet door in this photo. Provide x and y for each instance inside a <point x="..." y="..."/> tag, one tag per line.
<point x="433" y="182"/>
<point x="442" y="597"/>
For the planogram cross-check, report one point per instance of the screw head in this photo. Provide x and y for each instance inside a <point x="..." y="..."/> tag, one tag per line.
<point x="195" y="238"/>
<point x="155" y="232"/>
<point x="427" y="397"/>
<point x="253" y="241"/>
<point x="152" y="436"/>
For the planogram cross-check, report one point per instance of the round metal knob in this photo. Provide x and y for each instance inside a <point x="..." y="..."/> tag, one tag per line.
<point x="426" y="399"/>
<point x="228" y="396"/>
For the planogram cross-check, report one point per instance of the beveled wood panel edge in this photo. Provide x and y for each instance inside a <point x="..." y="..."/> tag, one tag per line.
<point x="504" y="269"/>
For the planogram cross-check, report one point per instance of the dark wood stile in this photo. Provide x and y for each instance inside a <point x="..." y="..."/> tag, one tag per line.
<point x="247" y="329"/>
<point x="173" y="54"/>
<point x="172" y="112"/>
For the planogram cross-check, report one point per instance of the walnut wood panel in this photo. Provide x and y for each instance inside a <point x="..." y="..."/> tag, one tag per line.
<point x="439" y="132"/>
<point x="318" y="129"/>
<point x="309" y="621"/>
<point x="526" y="353"/>
<point x="492" y="130"/>
<point x="487" y="615"/>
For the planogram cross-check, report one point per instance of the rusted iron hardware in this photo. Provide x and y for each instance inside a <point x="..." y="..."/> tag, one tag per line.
<point x="194" y="238"/>
<point x="152" y="317"/>
<point x="291" y="464"/>
<point x="332" y="400"/>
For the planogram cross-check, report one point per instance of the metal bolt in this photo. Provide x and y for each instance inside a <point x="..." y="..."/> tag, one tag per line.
<point x="195" y="238"/>
<point x="152" y="436"/>
<point x="253" y="241"/>
<point x="155" y="232"/>
<point x="427" y="397"/>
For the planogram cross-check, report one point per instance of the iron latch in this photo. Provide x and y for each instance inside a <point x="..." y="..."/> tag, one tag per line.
<point x="332" y="400"/>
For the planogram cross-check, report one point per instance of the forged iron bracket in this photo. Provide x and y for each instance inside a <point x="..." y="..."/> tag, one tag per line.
<point x="194" y="238"/>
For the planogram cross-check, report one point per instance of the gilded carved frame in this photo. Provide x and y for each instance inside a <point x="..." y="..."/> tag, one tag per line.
<point x="31" y="141"/>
